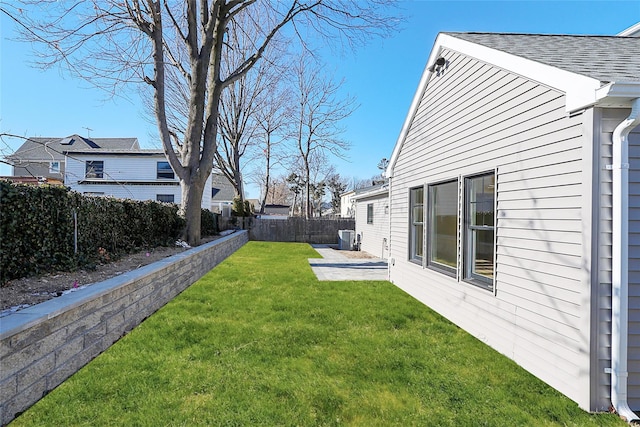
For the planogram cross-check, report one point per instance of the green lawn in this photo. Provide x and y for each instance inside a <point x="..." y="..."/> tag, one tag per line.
<point x="259" y="341"/>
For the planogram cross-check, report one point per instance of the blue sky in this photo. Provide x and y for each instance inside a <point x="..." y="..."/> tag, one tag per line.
<point x="383" y="76"/>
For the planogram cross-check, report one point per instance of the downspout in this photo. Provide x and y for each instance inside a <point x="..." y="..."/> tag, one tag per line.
<point x="620" y="267"/>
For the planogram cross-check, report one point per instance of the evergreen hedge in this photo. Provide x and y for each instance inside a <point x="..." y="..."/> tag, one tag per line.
<point x="37" y="228"/>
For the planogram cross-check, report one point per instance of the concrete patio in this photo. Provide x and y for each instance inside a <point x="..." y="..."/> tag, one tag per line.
<point x="334" y="265"/>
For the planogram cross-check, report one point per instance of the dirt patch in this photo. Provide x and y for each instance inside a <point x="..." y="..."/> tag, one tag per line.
<point x="355" y="254"/>
<point x="21" y="293"/>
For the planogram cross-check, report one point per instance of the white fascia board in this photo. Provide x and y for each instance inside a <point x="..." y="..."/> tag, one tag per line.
<point x="378" y="192"/>
<point x="580" y="90"/>
<point x="632" y="31"/>
<point x="617" y="94"/>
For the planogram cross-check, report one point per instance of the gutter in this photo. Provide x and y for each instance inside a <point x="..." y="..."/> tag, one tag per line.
<point x="620" y="267"/>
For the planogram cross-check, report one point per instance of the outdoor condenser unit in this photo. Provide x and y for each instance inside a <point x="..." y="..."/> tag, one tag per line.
<point x="345" y="239"/>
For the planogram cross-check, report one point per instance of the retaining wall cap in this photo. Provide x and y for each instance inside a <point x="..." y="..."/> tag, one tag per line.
<point x="30" y="316"/>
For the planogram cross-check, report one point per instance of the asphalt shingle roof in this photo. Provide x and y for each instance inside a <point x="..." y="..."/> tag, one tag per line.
<point x="53" y="148"/>
<point x="605" y="58"/>
<point x="225" y="191"/>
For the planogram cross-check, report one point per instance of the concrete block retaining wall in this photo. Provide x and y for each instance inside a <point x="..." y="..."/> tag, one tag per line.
<point x="43" y="345"/>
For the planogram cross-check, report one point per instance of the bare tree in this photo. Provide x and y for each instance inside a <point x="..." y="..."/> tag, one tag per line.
<point x="316" y="118"/>
<point x="271" y="122"/>
<point x="278" y="192"/>
<point x="245" y="102"/>
<point x="112" y="43"/>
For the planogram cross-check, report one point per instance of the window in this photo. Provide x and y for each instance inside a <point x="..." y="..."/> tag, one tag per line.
<point x="443" y="225"/>
<point x="54" y="167"/>
<point x="165" y="198"/>
<point x="94" y="169"/>
<point x="416" y="224"/>
<point x="370" y="213"/>
<point x="480" y="229"/>
<point x="164" y="171"/>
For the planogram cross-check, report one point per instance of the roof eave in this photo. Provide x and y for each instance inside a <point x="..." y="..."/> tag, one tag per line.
<point x="373" y="193"/>
<point x="617" y="95"/>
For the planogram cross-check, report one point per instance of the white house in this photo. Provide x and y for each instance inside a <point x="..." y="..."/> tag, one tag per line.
<point x="44" y="157"/>
<point x="515" y="204"/>
<point x="372" y="219"/>
<point x="115" y="167"/>
<point x="347" y="205"/>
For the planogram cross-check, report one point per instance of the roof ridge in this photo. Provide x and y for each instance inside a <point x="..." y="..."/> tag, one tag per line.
<point x="540" y="34"/>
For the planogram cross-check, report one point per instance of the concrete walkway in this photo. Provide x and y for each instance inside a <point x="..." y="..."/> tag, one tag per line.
<point x="335" y="266"/>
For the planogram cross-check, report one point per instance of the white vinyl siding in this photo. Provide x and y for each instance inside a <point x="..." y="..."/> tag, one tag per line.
<point x="475" y="118"/>
<point x="127" y="177"/>
<point x="611" y="118"/>
<point x="373" y="237"/>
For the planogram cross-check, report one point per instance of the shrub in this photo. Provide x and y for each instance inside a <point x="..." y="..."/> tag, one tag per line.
<point x="38" y="226"/>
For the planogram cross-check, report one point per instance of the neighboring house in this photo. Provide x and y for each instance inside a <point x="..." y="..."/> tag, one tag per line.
<point x="372" y="219"/>
<point x="282" y="210"/>
<point x="115" y="167"/>
<point x="507" y="195"/>
<point x="45" y="156"/>
<point x="347" y="205"/>
<point x="222" y="194"/>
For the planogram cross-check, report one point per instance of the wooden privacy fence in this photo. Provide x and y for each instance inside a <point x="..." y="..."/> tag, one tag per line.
<point x="294" y="229"/>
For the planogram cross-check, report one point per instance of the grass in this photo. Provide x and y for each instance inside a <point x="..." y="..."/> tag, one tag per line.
<point x="260" y="342"/>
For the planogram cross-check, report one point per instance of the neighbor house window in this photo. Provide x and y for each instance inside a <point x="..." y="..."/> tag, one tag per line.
<point x="94" y="169"/>
<point x="164" y="171"/>
<point x="443" y="225"/>
<point x="370" y="213"/>
<point x="54" y="167"/>
<point x="480" y="229"/>
<point x="416" y="224"/>
<point x="165" y="198"/>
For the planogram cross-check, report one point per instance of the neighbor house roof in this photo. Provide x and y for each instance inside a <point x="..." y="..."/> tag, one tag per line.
<point x="374" y="190"/>
<point x="53" y="148"/>
<point x="589" y="70"/>
<point x="221" y="189"/>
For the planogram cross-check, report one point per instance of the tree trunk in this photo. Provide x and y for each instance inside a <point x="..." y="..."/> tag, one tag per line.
<point x="266" y="180"/>
<point x="191" y="209"/>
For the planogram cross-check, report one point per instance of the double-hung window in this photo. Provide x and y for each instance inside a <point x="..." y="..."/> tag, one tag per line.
<point x="443" y="225"/>
<point x="416" y="224"/>
<point x="164" y="171"/>
<point x="480" y="229"/>
<point x="94" y="169"/>
<point x="370" y="213"/>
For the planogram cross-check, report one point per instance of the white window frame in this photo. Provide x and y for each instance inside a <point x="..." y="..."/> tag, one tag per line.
<point x="369" y="213"/>
<point x="469" y="274"/>
<point x="414" y="256"/>
<point x="53" y="169"/>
